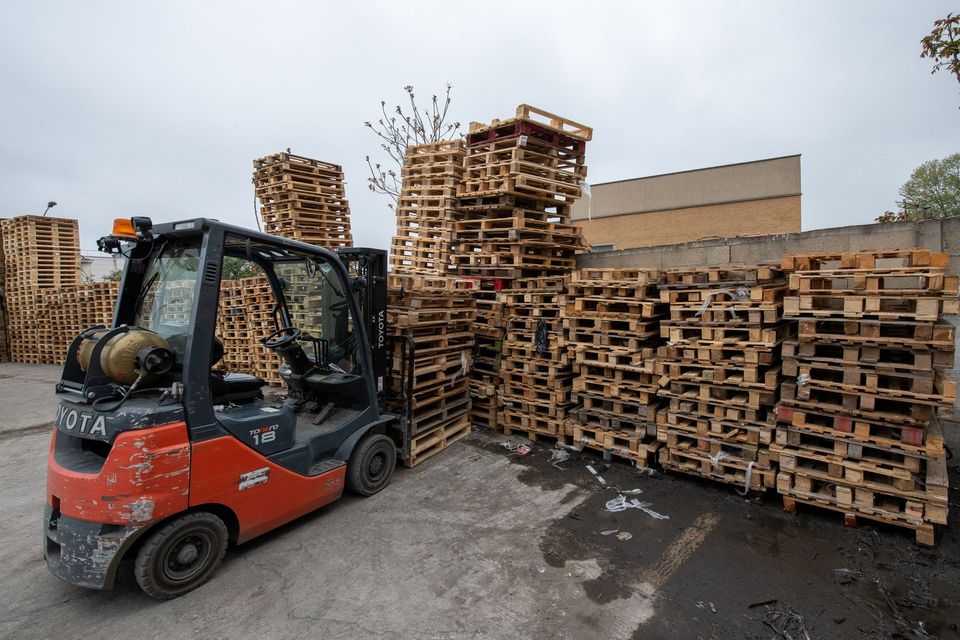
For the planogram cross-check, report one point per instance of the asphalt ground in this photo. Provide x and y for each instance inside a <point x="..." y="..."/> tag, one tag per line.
<point x="479" y="542"/>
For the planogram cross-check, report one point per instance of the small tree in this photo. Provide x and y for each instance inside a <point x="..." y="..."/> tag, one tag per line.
<point x="407" y="126"/>
<point x="236" y="268"/>
<point x="943" y="45"/>
<point x="113" y="276"/>
<point x="932" y="191"/>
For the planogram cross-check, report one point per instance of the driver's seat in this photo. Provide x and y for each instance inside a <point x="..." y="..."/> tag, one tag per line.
<point x="235" y="387"/>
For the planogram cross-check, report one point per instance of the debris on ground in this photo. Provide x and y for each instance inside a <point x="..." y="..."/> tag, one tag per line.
<point x="519" y="449"/>
<point x="647" y="472"/>
<point x="597" y="476"/>
<point x="873" y="595"/>
<point x="787" y="624"/>
<point x="620" y="503"/>
<point x="622" y="536"/>
<point x="558" y="456"/>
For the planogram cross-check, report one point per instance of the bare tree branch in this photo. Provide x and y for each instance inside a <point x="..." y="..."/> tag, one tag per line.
<point x="404" y="129"/>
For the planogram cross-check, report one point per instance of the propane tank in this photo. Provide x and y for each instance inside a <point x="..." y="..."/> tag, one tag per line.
<point x="129" y="355"/>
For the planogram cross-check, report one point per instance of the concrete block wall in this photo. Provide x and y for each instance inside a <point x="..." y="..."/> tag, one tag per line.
<point x="936" y="235"/>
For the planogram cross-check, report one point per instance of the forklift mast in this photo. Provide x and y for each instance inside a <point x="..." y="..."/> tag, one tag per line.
<point x="368" y="274"/>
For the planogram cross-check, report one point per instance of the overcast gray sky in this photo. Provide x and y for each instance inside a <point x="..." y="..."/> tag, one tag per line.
<point x="149" y="108"/>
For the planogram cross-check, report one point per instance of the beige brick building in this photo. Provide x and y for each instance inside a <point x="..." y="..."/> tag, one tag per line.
<point x="749" y="198"/>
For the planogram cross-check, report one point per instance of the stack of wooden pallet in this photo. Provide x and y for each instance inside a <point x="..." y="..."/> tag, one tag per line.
<point x="72" y="310"/>
<point x="858" y="421"/>
<point x="431" y="344"/>
<point x="4" y="348"/>
<point x="720" y="370"/>
<point x="611" y="326"/>
<point x="535" y="370"/>
<point x="246" y="307"/>
<point x="303" y="199"/>
<point x="40" y="254"/>
<point x="488" y="330"/>
<point x="520" y="177"/>
<point x="426" y="208"/>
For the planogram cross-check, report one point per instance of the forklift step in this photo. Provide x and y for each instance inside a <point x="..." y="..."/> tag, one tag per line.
<point x="325" y="465"/>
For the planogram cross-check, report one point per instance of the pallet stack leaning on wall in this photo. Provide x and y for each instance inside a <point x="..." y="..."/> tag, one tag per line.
<point x="611" y="323"/>
<point x="859" y="429"/>
<point x="303" y="199"/>
<point x="512" y="239"/>
<point x="721" y="372"/>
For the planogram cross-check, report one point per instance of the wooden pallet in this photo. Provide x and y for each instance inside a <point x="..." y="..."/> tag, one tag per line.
<point x="428" y="444"/>
<point x="723" y="429"/>
<point x="639" y="449"/>
<point x="729" y="470"/>
<point x="303" y="199"/>
<point x="926" y="386"/>
<point x="887" y="357"/>
<point x="517" y="421"/>
<point x="859" y="502"/>
<point x="870" y="307"/>
<point x="538" y="117"/>
<point x="865" y="259"/>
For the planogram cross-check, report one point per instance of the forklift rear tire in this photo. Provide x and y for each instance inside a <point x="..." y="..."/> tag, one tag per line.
<point x="371" y="465"/>
<point x="181" y="555"/>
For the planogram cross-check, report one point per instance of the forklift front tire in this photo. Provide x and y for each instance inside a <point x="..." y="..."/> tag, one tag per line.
<point x="371" y="465"/>
<point x="181" y="555"/>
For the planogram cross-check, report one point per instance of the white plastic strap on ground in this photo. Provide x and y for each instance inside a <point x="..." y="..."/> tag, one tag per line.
<point x="597" y="475"/>
<point x="620" y="503"/>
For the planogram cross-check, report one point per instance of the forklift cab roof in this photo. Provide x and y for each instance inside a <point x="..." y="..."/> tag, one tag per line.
<point x="240" y="242"/>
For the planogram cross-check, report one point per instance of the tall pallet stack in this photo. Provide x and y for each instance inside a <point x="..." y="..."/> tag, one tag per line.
<point x="720" y="371"/>
<point x="303" y="199"/>
<point x="611" y="327"/>
<point x="536" y="370"/>
<point x="40" y="254"/>
<point x="858" y="425"/>
<point x="431" y="343"/>
<point x="521" y="176"/>
<point x="426" y="208"/>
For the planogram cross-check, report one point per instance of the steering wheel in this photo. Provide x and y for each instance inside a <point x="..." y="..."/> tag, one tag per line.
<point x="281" y="337"/>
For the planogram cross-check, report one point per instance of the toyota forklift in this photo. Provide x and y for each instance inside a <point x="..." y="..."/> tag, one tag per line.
<point x="160" y="456"/>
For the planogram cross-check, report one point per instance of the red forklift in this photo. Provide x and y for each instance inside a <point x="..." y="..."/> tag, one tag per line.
<point x="162" y="457"/>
